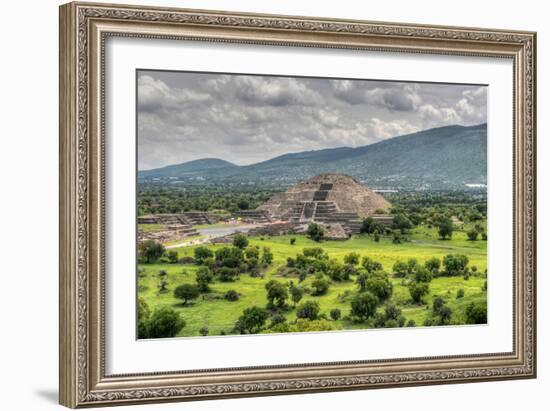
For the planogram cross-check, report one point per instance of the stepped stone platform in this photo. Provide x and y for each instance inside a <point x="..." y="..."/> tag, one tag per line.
<point x="254" y="216"/>
<point x="171" y="232"/>
<point x="189" y="217"/>
<point x="330" y="199"/>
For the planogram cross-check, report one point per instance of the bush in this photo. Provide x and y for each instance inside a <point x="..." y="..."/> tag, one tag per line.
<point x="411" y="323"/>
<point x="445" y="229"/>
<point x="418" y="291"/>
<point x="371" y="265"/>
<point x="203" y="331"/>
<point x="363" y="306"/>
<point x="186" y="292"/>
<point x="422" y="275"/>
<point x="251" y="321"/>
<point x="432" y="265"/>
<point x="455" y="264"/>
<point x="400" y="269"/>
<point x="401" y="222"/>
<point x="292" y="241"/>
<point x="165" y="322"/>
<point x="202" y="253"/>
<point x="267" y="256"/>
<point x="320" y="285"/>
<point x="203" y="278"/>
<point x="335" y="314"/>
<point x="315" y="232"/>
<point x="460" y="293"/>
<point x="379" y="285"/>
<point x="240" y="241"/>
<point x="150" y="251"/>
<point x="231" y="295"/>
<point x="476" y="313"/>
<point x="352" y="258"/>
<point x="276" y="319"/>
<point x="172" y="256"/>
<point x="277" y="294"/>
<point x="308" y="310"/>
<point x="226" y="274"/>
<point x="472" y="234"/>
<point x="296" y="294"/>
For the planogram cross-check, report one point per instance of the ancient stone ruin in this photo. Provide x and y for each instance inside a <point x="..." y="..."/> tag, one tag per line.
<point x="329" y="199"/>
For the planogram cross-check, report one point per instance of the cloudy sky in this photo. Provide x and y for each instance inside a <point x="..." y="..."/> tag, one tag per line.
<point x="245" y="119"/>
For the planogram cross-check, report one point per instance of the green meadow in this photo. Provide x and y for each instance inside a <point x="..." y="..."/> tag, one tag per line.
<point x="211" y="310"/>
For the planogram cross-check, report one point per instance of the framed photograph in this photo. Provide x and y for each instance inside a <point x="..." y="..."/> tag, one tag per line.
<point x="262" y="205"/>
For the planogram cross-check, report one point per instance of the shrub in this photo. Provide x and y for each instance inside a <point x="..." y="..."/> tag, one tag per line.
<point x="292" y="241"/>
<point x="296" y="294"/>
<point x="276" y="319"/>
<point x="445" y="228"/>
<point x="400" y="269"/>
<point x="320" y="285"/>
<point x="411" y="323"/>
<point x="422" y="275"/>
<point x="371" y="265"/>
<point x="267" y="256"/>
<point x="150" y="251"/>
<point x="277" y="294"/>
<point x="418" y="291"/>
<point x="203" y="278"/>
<point x="251" y="321"/>
<point x="186" y="292"/>
<point x="335" y="314"/>
<point x="203" y="331"/>
<point x="352" y="258"/>
<point x="460" y="293"/>
<point x="472" y="234"/>
<point x="226" y="274"/>
<point x="309" y="310"/>
<point x="231" y="295"/>
<point x="315" y="232"/>
<point x="363" y="306"/>
<point x="165" y="322"/>
<point x="202" y="253"/>
<point x="172" y="256"/>
<point x="476" y="313"/>
<point x="230" y="257"/>
<point x="401" y="222"/>
<point x="379" y="285"/>
<point x="455" y="264"/>
<point x="240" y="241"/>
<point x="432" y="265"/>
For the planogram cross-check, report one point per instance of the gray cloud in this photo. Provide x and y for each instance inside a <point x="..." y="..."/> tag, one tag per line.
<point x="184" y="116"/>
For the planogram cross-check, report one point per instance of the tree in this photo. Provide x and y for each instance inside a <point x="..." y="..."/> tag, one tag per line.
<point x="203" y="331"/>
<point x="203" y="278"/>
<point x="335" y="270"/>
<point x="401" y="222"/>
<point x="370" y="265"/>
<point x="143" y="314"/>
<point x="455" y="264"/>
<point x="172" y="256"/>
<point x="432" y="265"/>
<point x="292" y="241"/>
<point x="309" y="310"/>
<point x="230" y="257"/>
<point x="251" y="321"/>
<point x="243" y="204"/>
<point x="320" y="285"/>
<point x="366" y="226"/>
<point x="460" y="293"/>
<point x="472" y="234"/>
<point x="296" y="294"/>
<point x="476" y="313"/>
<point x="335" y="314"/>
<point x="277" y="294"/>
<point x="400" y="269"/>
<point x="379" y="285"/>
<point x="267" y="256"/>
<point x="363" y="305"/>
<point x="186" y="292"/>
<point x="362" y="281"/>
<point x="165" y="322"/>
<point x="202" y="254"/>
<point x="315" y="232"/>
<point x="150" y="251"/>
<point x="240" y="241"/>
<point x="352" y="258"/>
<point x="445" y="228"/>
<point x="422" y="275"/>
<point x="226" y="274"/>
<point x="418" y="291"/>
<point x="231" y="295"/>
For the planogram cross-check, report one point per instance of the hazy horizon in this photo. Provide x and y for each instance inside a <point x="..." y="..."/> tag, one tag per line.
<point x="247" y="119"/>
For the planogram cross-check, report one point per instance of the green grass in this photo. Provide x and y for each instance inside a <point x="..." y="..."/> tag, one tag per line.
<point x="214" y="312"/>
<point x="147" y="228"/>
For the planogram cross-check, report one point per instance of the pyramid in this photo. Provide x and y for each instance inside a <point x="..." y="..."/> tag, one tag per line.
<point x="326" y="198"/>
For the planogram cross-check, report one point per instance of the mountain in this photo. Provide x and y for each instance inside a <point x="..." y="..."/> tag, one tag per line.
<point x="440" y="158"/>
<point x="189" y="168"/>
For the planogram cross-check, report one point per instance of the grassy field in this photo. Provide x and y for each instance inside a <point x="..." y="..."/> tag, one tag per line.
<point x="213" y="311"/>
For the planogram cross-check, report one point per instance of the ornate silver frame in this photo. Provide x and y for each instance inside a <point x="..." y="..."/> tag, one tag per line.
<point x="84" y="27"/>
